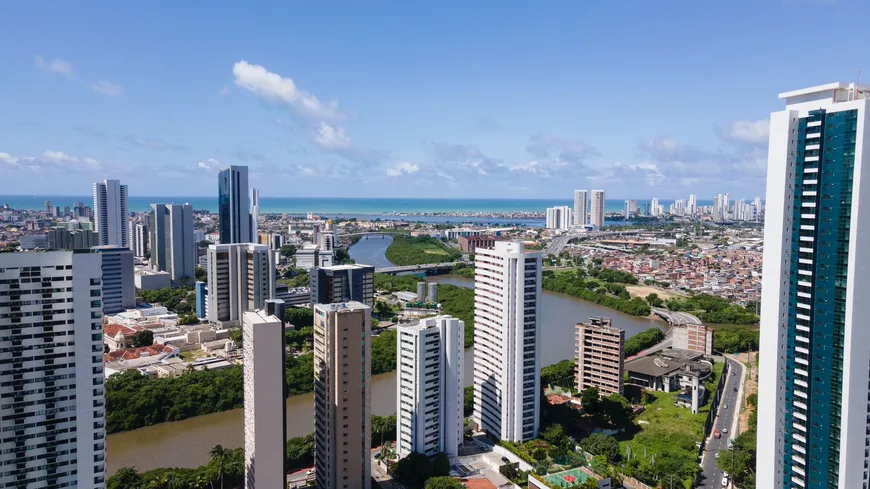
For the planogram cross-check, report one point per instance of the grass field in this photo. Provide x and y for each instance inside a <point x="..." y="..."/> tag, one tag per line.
<point x="432" y="249"/>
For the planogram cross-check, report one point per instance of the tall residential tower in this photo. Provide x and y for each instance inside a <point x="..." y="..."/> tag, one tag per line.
<point x="506" y="335"/>
<point x="581" y="207"/>
<point x="110" y="213"/>
<point x="343" y="283"/>
<point x="241" y="277"/>
<point x="597" y="209"/>
<point x="234" y="206"/>
<point x="172" y="247"/>
<point x="342" y="395"/>
<point x="813" y="409"/>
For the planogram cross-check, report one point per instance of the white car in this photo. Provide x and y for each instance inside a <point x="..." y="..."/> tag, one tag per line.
<point x="717" y="454"/>
<point x="725" y="481"/>
<point x="724" y="430"/>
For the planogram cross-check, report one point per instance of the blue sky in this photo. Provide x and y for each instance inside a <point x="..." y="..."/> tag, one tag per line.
<point x="401" y="99"/>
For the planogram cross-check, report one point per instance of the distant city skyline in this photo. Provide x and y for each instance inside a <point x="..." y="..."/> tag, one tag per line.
<point x="331" y="105"/>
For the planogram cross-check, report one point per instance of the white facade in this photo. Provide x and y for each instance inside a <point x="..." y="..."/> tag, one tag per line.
<point x="53" y="398"/>
<point x="138" y="239"/>
<point x="813" y="428"/>
<point x="597" y="209"/>
<point x="241" y="277"/>
<point x="559" y="217"/>
<point x="429" y="388"/>
<point x="311" y="256"/>
<point x="265" y="414"/>
<point x="506" y="336"/>
<point x="110" y="213"/>
<point x="173" y="249"/>
<point x="255" y="213"/>
<point x="581" y="207"/>
<point x="692" y="208"/>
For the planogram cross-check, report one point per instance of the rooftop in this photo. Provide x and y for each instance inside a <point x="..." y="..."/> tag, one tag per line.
<point x="342" y="307"/>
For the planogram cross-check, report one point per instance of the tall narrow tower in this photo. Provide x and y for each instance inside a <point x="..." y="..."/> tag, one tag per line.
<point x="581" y="207"/>
<point x="110" y="213"/>
<point x="597" y="219"/>
<point x="506" y="335"/>
<point x="813" y="408"/>
<point x="233" y="206"/>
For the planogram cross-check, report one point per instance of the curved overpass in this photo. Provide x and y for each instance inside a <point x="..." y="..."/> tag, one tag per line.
<point x="676" y="317"/>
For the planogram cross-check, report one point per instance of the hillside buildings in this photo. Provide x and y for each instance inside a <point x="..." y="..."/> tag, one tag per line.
<point x="53" y="414"/>
<point x="343" y="283"/>
<point x="600" y="356"/>
<point x="506" y="366"/>
<point x="265" y="396"/>
<point x="342" y="395"/>
<point x="813" y="415"/>
<point x="241" y="277"/>
<point x="110" y="213"/>
<point x="172" y="246"/>
<point x="429" y="388"/>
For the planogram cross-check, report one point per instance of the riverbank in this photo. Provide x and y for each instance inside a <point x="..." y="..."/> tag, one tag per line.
<point x="421" y="250"/>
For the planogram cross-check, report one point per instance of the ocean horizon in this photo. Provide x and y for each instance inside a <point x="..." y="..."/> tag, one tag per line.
<point x="331" y="205"/>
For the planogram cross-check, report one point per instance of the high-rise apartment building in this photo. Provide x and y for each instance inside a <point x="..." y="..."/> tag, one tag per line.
<point x="692" y="207"/>
<point x="342" y="395"/>
<point x="654" y="206"/>
<point x="138" y="238"/>
<point x="506" y="336"/>
<point x="53" y="412"/>
<point x="110" y="213"/>
<point x="597" y="209"/>
<point x="265" y="396"/>
<point x="581" y="207"/>
<point x="241" y="277"/>
<point x="813" y="408"/>
<point x="233" y="205"/>
<point x="343" y="283"/>
<point x="119" y="285"/>
<point x="429" y="389"/>
<point x="630" y="208"/>
<point x="559" y="217"/>
<point x="255" y="214"/>
<point x="600" y="356"/>
<point x="172" y="246"/>
<point x="62" y="238"/>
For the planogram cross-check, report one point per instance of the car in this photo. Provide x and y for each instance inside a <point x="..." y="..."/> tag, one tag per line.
<point x="717" y="454"/>
<point x="725" y="430"/>
<point x="725" y="481"/>
<point x="726" y="406"/>
<point x="505" y="460"/>
<point x="717" y="434"/>
<point x="309" y="472"/>
<point x="735" y="389"/>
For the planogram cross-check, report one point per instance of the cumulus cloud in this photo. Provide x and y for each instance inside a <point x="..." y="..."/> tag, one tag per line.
<point x="750" y="132"/>
<point x="51" y="160"/>
<point x="110" y="89"/>
<point x="55" y="65"/>
<point x="402" y="168"/>
<point x="275" y="88"/>
<point x="210" y="165"/>
<point x="331" y="137"/>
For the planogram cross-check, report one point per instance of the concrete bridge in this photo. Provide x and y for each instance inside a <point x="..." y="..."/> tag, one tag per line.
<point x="676" y="317"/>
<point x="428" y="268"/>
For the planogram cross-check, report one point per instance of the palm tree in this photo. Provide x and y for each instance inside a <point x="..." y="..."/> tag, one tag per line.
<point x="220" y="455"/>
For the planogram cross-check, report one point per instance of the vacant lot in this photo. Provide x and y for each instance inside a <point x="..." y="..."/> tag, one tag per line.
<point x="644" y="290"/>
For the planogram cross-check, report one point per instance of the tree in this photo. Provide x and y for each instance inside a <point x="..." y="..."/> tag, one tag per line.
<point x="125" y="478"/>
<point x="219" y="455"/>
<point x="342" y="257"/>
<point x="653" y="300"/>
<point x="288" y="250"/>
<point x="599" y="464"/>
<point x="441" y="465"/>
<point x="588" y="484"/>
<point x="299" y="316"/>
<point x="468" y="401"/>
<point x="603" y="445"/>
<point x="444" y="483"/>
<point x="590" y="400"/>
<point x="143" y="338"/>
<point x="189" y="318"/>
<point x="200" y="274"/>
<point x="414" y="469"/>
<point x="204" y="243"/>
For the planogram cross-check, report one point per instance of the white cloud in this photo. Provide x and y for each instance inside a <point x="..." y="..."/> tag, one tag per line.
<point x="331" y="137"/>
<point x="55" y="65"/>
<point x="402" y="168"/>
<point x="57" y="160"/>
<point x="210" y="165"/>
<point x="107" y="88"/>
<point x="275" y="88"/>
<point x="752" y="132"/>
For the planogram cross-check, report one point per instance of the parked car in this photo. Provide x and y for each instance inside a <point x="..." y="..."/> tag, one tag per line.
<point x="717" y="434"/>
<point x="725" y="482"/>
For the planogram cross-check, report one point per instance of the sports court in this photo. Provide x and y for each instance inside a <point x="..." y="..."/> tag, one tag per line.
<point x="567" y="478"/>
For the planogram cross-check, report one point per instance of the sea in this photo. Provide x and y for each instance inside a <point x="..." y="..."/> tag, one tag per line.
<point x="332" y="206"/>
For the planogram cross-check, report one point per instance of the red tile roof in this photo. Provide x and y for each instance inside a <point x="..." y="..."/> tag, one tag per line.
<point x="133" y="353"/>
<point x="112" y="330"/>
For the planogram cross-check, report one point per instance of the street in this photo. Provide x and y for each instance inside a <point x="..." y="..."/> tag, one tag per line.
<point x="727" y="418"/>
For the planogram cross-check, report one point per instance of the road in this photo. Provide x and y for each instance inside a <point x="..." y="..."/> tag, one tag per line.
<point x="677" y="317"/>
<point x="726" y="418"/>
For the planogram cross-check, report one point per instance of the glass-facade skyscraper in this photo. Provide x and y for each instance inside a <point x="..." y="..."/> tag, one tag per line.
<point x="233" y="205"/>
<point x="814" y="387"/>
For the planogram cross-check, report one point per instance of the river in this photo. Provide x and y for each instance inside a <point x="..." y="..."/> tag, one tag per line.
<point x="186" y="443"/>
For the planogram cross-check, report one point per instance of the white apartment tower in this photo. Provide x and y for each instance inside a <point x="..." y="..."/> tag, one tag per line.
<point x="429" y="389"/>
<point x="53" y="412"/>
<point x="597" y="219"/>
<point x="255" y="214"/>
<point x="342" y="395"/>
<point x="110" y="213"/>
<point x="559" y="217"/>
<point x="506" y="335"/>
<point x="581" y="207"/>
<point x="693" y="205"/>
<point x="241" y="277"/>
<point x="813" y="408"/>
<point x="138" y="238"/>
<point x="265" y="396"/>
